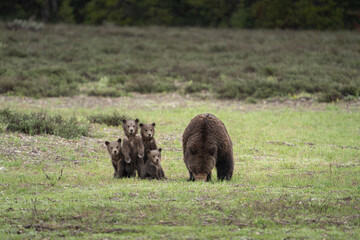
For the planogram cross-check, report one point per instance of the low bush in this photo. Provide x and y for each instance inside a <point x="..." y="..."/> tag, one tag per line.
<point x="193" y="87"/>
<point x="104" y="88"/>
<point x="150" y="85"/>
<point x="114" y="119"/>
<point x="8" y="84"/>
<point x="13" y="52"/>
<point x="41" y="123"/>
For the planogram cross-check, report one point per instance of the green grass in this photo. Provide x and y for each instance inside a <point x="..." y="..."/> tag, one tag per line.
<point x="67" y="60"/>
<point x="296" y="176"/>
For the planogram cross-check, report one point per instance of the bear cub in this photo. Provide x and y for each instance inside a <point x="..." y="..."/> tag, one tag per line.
<point x="147" y="132"/>
<point x="121" y="168"/>
<point x="114" y="149"/>
<point x="133" y="148"/>
<point x="153" y="169"/>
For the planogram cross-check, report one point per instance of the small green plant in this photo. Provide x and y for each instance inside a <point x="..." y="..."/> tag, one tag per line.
<point x="41" y="123"/>
<point x="193" y="87"/>
<point x="114" y="119"/>
<point x="13" y="52"/>
<point x="150" y="84"/>
<point x="330" y="96"/>
<point x="103" y="88"/>
<point x="8" y="84"/>
<point x="251" y="100"/>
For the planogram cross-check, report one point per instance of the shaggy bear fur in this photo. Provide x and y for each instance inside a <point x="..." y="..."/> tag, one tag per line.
<point x="147" y="132"/>
<point x="153" y="169"/>
<point x="114" y="149"/>
<point x="121" y="168"/>
<point x="207" y="144"/>
<point x="133" y="148"/>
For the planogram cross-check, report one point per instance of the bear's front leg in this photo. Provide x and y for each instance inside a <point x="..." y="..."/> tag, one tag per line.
<point x="141" y="151"/>
<point x="126" y="152"/>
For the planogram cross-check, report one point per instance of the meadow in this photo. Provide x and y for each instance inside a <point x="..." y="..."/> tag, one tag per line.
<point x="296" y="172"/>
<point x="40" y="60"/>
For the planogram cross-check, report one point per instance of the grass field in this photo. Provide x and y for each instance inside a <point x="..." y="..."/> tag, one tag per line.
<point x="296" y="174"/>
<point x="66" y="60"/>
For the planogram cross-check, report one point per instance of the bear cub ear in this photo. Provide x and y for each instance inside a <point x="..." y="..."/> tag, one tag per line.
<point x="107" y="143"/>
<point x="136" y="120"/>
<point x="124" y="120"/>
<point x="160" y="149"/>
<point x="153" y="124"/>
<point x="119" y="140"/>
<point x="141" y="124"/>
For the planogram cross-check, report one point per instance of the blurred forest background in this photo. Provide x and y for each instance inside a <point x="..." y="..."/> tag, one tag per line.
<point x="294" y="14"/>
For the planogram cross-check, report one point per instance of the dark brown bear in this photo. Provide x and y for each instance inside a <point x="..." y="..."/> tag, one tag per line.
<point x="206" y="144"/>
<point x="147" y="132"/>
<point x="133" y="148"/>
<point x="153" y="169"/>
<point x="121" y="168"/>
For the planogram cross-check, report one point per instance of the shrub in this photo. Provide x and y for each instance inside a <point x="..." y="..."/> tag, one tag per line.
<point x="104" y="87"/>
<point x="192" y="87"/>
<point x="257" y="88"/>
<point x="349" y="90"/>
<point x="13" y="52"/>
<point x="330" y="96"/>
<point x="48" y="82"/>
<point x="251" y="100"/>
<point x="233" y="89"/>
<point x="114" y="119"/>
<point x="41" y="123"/>
<point x="8" y="84"/>
<point x="150" y="85"/>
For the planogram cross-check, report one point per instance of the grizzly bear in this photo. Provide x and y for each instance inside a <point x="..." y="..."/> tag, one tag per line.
<point x="133" y="148"/>
<point x="147" y="132"/>
<point x="114" y="149"/>
<point x="121" y="168"/>
<point x="207" y="144"/>
<point x="153" y="169"/>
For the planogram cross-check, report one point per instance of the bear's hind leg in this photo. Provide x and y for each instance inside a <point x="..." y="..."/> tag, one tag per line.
<point x="208" y="178"/>
<point x="191" y="177"/>
<point x="225" y="166"/>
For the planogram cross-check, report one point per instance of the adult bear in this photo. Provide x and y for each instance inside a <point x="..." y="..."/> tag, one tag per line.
<point x="207" y="144"/>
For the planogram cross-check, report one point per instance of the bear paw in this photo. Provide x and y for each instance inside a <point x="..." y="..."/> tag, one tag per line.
<point x="127" y="159"/>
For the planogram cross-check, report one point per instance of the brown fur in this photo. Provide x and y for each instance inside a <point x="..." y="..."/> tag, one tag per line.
<point x="121" y="168"/>
<point x="153" y="169"/>
<point x="207" y="144"/>
<point x="133" y="148"/>
<point x="114" y="149"/>
<point x="147" y="132"/>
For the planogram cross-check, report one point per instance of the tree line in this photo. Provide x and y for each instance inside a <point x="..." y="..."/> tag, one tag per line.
<point x="292" y="14"/>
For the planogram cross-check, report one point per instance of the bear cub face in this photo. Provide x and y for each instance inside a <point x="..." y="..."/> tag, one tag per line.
<point x="147" y="130"/>
<point x="130" y="127"/>
<point x="114" y="148"/>
<point x="154" y="156"/>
